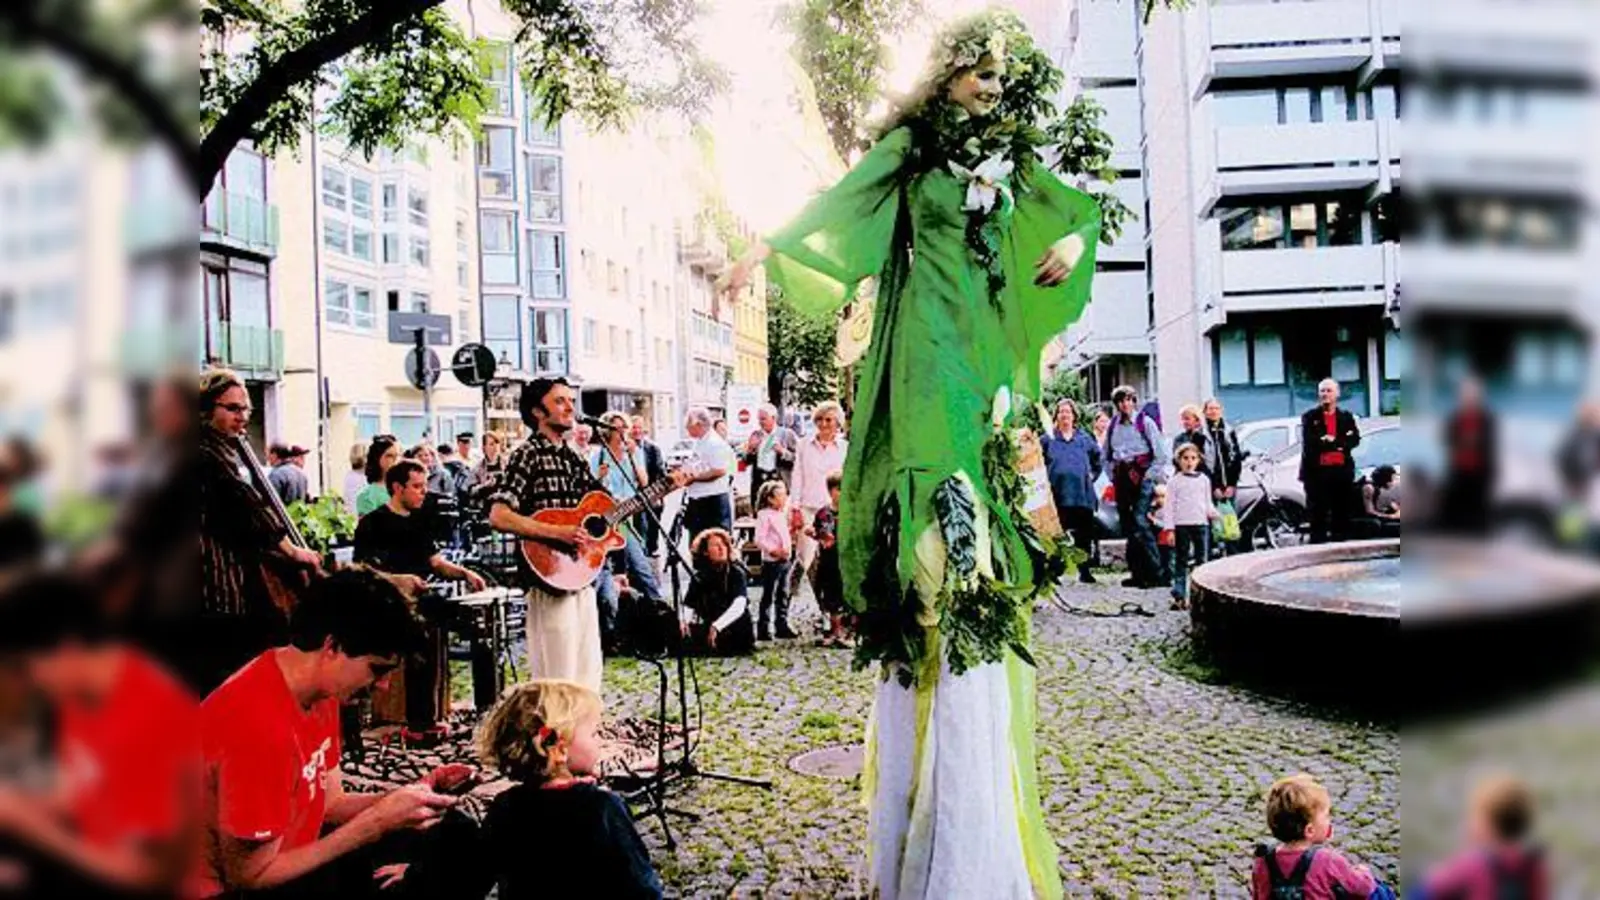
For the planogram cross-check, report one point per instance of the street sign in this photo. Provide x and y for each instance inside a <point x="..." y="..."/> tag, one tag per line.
<point x="744" y="417"/>
<point x="744" y="400"/>
<point x="403" y="327"/>
<point x="430" y="365"/>
<point x="473" y="364"/>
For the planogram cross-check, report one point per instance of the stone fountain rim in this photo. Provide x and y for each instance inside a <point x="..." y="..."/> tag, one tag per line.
<point x="1238" y="578"/>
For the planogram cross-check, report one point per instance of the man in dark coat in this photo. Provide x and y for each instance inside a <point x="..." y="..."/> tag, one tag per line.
<point x="656" y="468"/>
<point x="1328" y="439"/>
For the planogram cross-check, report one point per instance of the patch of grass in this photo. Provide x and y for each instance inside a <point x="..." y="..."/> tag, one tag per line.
<point x="819" y="720"/>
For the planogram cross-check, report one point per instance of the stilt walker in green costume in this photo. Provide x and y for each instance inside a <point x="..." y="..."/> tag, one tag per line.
<point x="982" y="255"/>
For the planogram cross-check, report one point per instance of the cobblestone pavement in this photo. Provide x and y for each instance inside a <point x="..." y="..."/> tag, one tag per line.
<point x="1153" y="782"/>
<point x="1550" y="740"/>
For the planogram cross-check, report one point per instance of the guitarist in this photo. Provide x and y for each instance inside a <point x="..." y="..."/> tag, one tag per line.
<point x="544" y="473"/>
<point x="240" y="534"/>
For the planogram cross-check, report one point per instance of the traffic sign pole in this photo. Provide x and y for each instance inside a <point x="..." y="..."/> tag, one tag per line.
<point x="421" y="336"/>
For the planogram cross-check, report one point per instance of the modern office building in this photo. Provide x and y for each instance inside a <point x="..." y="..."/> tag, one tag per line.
<point x="1501" y="163"/>
<point x="1269" y="149"/>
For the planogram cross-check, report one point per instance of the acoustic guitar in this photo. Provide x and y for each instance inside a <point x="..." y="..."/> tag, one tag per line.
<point x="564" y="568"/>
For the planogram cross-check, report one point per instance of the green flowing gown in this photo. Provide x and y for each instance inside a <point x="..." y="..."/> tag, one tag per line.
<point x="941" y="349"/>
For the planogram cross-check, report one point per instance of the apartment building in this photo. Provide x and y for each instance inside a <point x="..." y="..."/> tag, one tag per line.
<point x="1110" y="344"/>
<point x="1499" y="150"/>
<point x="1269" y="149"/>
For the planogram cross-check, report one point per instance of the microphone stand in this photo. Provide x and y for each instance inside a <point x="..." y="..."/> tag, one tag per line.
<point x="684" y="769"/>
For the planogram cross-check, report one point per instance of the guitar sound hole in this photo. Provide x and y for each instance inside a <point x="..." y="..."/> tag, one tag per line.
<point x="596" y="527"/>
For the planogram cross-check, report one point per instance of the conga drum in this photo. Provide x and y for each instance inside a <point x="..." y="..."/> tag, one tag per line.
<point x="418" y="693"/>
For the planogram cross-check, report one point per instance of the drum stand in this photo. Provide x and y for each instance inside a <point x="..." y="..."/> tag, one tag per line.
<point x="684" y="770"/>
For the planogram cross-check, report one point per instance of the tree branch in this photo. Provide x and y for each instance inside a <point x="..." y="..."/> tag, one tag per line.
<point x="283" y="74"/>
<point x="115" y="74"/>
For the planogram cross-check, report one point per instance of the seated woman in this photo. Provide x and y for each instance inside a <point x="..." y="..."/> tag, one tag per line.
<point x="716" y="613"/>
<point x="1380" y="505"/>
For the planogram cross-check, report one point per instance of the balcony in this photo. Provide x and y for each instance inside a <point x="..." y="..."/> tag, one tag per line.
<point x="151" y="352"/>
<point x="700" y="248"/>
<point x="239" y="222"/>
<point x="1495" y="279"/>
<point x="254" y="352"/>
<point x="154" y="224"/>
<point x="1539" y="158"/>
<point x="1307" y="278"/>
<point x="1251" y="40"/>
<point x="1322" y="156"/>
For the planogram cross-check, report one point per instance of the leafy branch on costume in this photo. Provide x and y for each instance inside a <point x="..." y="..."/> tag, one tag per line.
<point x="1085" y="155"/>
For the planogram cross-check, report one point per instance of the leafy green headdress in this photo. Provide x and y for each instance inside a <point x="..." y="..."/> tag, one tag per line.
<point x="1030" y="80"/>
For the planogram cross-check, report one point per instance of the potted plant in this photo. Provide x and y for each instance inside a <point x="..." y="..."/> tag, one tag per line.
<point x="325" y="523"/>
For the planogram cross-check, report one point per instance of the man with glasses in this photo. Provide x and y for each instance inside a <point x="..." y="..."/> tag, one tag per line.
<point x="1133" y="445"/>
<point x="280" y="821"/>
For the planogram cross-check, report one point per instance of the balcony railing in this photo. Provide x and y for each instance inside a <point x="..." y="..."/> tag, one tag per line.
<point x="250" y="350"/>
<point x="239" y="221"/>
<point x="159" y="223"/>
<point x="155" y="351"/>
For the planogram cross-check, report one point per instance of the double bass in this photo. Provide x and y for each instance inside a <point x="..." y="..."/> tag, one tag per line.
<point x="284" y="580"/>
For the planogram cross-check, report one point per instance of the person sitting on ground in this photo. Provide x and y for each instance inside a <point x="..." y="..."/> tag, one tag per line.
<point x="777" y="555"/>
<point x="830" y="581"/>
<point x="1500" y="861"/>
<point x="1299" y="815"/>
<point x="542" y="736"/>
<point x="1380" y="510"/>
<point x="271" y="744"/>
<point x="716" y="612"/>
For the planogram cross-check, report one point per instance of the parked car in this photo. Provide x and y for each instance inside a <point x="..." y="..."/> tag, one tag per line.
<point x="1528" y="492"/>
<point x="1275" y="477"/>
<point x="1265" y="437"/>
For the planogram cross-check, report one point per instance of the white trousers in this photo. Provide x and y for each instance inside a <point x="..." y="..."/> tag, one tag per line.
<point x="564" y="637"/>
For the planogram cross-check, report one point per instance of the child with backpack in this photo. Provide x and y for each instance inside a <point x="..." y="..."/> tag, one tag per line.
<point x="1299" y="815"/>
<point x="1501" y="863"/>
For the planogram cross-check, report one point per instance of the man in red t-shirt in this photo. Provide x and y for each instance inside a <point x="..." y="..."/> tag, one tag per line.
<point x="121" y="814"/>
<point x="271" y="741"/>
<point x="1328" y="438"/>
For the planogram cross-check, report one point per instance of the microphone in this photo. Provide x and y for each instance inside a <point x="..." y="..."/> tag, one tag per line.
<point x="593" y="422"/>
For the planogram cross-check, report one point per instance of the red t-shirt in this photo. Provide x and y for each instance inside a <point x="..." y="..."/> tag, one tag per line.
<point x="266" y="758"/>
<point x="129" y="767"/>
<point x="1328" y="868"/>
<point x="1330" y="421"/>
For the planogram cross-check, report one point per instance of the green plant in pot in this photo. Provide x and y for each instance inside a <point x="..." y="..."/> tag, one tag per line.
<point x="325" y="523"/>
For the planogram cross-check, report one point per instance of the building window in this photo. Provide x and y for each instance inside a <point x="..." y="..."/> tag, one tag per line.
<point x="419" y="302"/>
<point x="544" y="188"/>
<point x="1249" y="356"/>
<point x="550" y="341"/>
<point x="612" y="339"/>
<point x="1253" y="107"/>
<point x="368" y="419"/>
<point x="496" y="163"/>
<point x="391" y="247"/>
<point x="1304" y="224"/>
<point x="463" y="277"/>
<point x="391" y="202"/>
<point x="501" y="332"/>
<point x="417" y="201"/>
<point x="497" y="77"/>
<point x="361" y="242"/>
<point x="497" y="232"/>
<point x="335" y="236"/>
<point x="409" y="426"/>
<point x="360" y="199"/>
<point x="546" y="265"/>
<point x="420" y="254"/>
<point x="348" y="305"/>
<point x="335" y="189"/>
<point x="538" y="134"/>
<point x="590" y="341"/>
